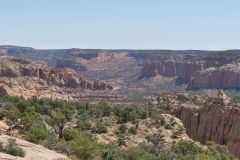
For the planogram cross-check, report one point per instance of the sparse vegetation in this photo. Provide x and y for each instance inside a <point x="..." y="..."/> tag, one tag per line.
<point x="13" y="148"/>
<point x="71" y="128"/>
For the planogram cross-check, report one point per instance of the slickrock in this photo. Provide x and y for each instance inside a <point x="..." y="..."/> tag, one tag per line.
<point x="33" y="151"/>
<point x="215" y="121"/>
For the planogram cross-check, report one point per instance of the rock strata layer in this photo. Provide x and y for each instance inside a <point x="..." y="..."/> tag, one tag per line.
<point x="216" y="121"/>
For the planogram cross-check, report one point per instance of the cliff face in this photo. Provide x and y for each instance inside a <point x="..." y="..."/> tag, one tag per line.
<point x="182" y="70"/>
<point x="215" y="121"/>
<point x="227" y="76"/>
<point x="84" y="62"/>
<point x="60" y="77"/>
<point x="20" y="77"/>
<point x="207" y="72"/>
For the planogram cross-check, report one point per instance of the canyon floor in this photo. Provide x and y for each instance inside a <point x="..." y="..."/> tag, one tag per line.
<point x="92" y="103"/>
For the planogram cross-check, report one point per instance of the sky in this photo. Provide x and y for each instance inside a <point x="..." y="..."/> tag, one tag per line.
<point x="121" y="24"/>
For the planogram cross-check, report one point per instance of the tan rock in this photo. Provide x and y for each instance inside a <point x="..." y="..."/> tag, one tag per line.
<point x="215" y="121"/>
<point x="33" y="151"/>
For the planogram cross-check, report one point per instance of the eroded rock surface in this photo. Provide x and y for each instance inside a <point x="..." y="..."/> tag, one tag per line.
<point x="216" y="121"/>
<point x="33" y="151"/>
<point x="226" y="76"/>
<point x="20" y="77"/>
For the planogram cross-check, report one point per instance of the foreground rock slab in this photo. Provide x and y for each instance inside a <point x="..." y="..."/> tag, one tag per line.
<point x="33" y="151"/>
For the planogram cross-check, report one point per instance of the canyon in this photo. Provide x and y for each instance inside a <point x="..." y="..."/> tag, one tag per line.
<point x="217" y="121"/>
<point x="193" y="68"/>
<point x="206" y="118"/>
<point x="126" y="76"/>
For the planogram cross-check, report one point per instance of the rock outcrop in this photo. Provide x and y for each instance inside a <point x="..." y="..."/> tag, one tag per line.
<point x="83" y="62"/>
<point x="216" y="121"/>
<point x="66" y="77"/>
<point x="226" y="76"/>
<point x="20" y="77"/>
<point x="33" y="151"/>
<point x="218" y="72"/>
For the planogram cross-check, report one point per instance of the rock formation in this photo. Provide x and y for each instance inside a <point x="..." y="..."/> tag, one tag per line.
<point x="33" y="151"/>
<point x="216" y="121"/>
<point x="66" y="77"/>
<point x="226" y="76"/>
<point x="81" y="62"/>
<point x="20" y="77"/>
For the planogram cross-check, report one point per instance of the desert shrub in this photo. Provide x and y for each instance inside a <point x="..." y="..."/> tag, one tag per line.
<point x="29" y="118"/>
<point x="126" y="114"/>
<point x="172" y="121"/>
<point x="12" y="116"/>
<point x="218" y="151"/>
<point x="84" y="124"/>
<point x="122" y="128"/>
<point x="111" y="153"/>
<point x="104" y="108"/>
<point x="187" y="148"/>
<point x="36" y="134"/>
<point x="83" y="147"/>
<point x="22" y="105"/>
<point x="136" y="153"/>
<point x="57" y="121"/>
<point x="99" y="128"/>
<point x="155" y="139"/>
<point x="168" y="126"/>
<point x="160" y="121"/>
<point x="13" y="148"/>
<point x="132" y="130"/>
<point x="143" y="114"/>
<point x="70" y="133"/>
<point x="121" y="140"/>
<point x="176" y="134"/>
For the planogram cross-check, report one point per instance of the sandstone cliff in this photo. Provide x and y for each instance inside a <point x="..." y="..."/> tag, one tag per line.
<point x="14" y="68"/>
<point x="20" y="77"/>
<point x="207" y="72"/>
<point x="226" y="76"/>
<point x="216" y="121"/>
<point x="83" y="62"/>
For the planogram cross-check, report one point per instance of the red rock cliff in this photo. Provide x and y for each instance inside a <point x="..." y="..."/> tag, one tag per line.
<point x="215" y="121"/>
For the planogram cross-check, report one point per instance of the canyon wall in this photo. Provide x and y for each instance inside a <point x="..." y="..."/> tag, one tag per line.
<point x="216" y="121"/>
<point x="208" y="72"/>
<point x="66" y="77"/>
<point x="226" y="76"/>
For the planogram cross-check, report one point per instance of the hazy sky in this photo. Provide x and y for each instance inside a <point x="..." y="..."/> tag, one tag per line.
<point x="133" y="24"/>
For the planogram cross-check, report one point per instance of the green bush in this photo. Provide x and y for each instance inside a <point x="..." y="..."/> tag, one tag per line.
<point x="168" y="126"/>
<point x="36" y="134"/>
<point x="84" y="125"/>
<point x="70" y="134"/>
<point x="99" y="128"/>
<point x="122" y="128"/>
<point x="187" y="148"/>
<point x="105" y="109"/>
<point x="111" y="153"/>
<point x="161" y="121"/>
<point x="132" y="130"/>
<point x="155" y="139"/>
<point x="176" y="134"/>
<point x="13" y="148"/>
<point x="137" y="154"/>
<point x="126" y="114"/>
<point x="83" y="147"/>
